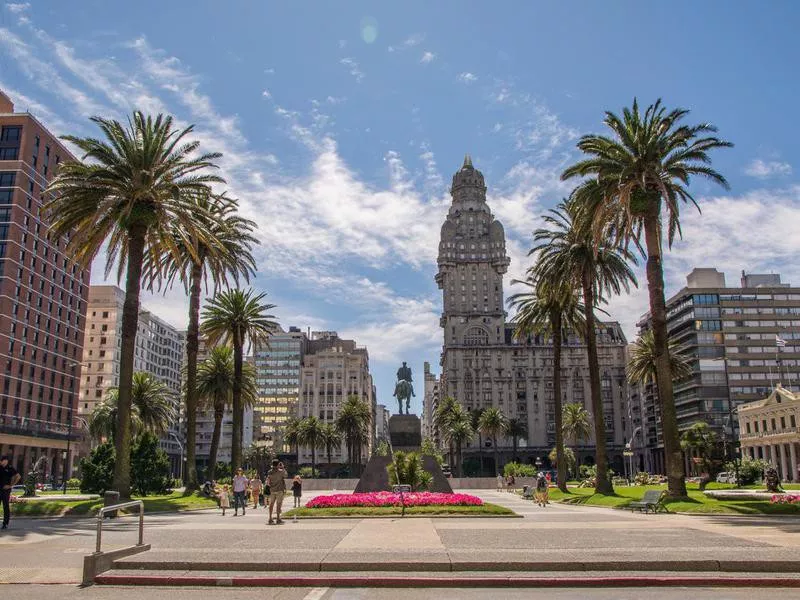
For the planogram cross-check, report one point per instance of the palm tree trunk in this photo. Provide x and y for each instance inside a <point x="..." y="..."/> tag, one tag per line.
<point x="460" y="461"/>
<point x="329" y="448"/>
<point x="514" y="447"/>
<point x="212" y="452"/>
<point x="130" y="325"/>
<point x="561" y="459"/>
<point x="313" y="458"/>
<point x="192" y="347"/>
<point x="238" y="416"/>
<point x="480" y="454"/>
<point x="602" y="484"/>
<point x="676" y="483"/>
<point x="496" y="456"/>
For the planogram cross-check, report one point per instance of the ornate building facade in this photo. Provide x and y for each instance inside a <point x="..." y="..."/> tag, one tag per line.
<point x="484" y="365"/>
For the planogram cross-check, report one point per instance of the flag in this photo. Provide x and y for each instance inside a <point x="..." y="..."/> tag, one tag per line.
<point x="781" y="343"/>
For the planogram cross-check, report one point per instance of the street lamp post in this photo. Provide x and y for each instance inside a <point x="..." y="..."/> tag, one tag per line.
<point x="66" y="453"/>
<point x="178" y="441"/>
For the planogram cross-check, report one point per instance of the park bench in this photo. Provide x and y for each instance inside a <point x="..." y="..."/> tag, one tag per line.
<point x="652" y="500"/>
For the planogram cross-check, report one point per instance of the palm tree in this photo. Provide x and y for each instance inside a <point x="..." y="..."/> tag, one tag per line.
<point x="291" y="436"/>
<point x="442" y="416"/>
<point x="330" y="439"/>
<point x="548" y="307"/>
<point x="641" y="367"/>
<point x="458" y="432"/>
<point x="354" y="422"/>
<point x="215" y="383"/>
<point x="135" y="185"/>
<point x="492" y="424"/>
<point x="576" y="425"/>
<point x="567" y="252"/>
<point x="701" y="440"/>
<point x="152" y="409"/>
<point x="310" y="435"/>
<point x="515" y="428"/>
<point x="474" y="420"/>
<point x="227" y="258"/>
<point x="647" y="162"/>
<point x="237" y="317"/>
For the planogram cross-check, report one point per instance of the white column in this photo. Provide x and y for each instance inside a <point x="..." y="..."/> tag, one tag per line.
<point x="785" y="468"/>
<point x="793" y="461"/>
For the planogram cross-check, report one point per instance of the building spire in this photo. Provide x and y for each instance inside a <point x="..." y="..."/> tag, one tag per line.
<point x="467" y="162"/>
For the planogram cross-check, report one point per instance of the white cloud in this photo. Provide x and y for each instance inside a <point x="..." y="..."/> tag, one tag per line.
<point x="267" y="94"/>
<point x="467" y="77"/>
<point x="353" y="68"/>
<point x="497" y="127"/>
<point x="335" y="99"/>
<point x="269" y="71"/>
<point x="427" y="57"/>
<point x="767" y="169"/>
<point x="18" y="7"/>
<point x="414" y="39"/>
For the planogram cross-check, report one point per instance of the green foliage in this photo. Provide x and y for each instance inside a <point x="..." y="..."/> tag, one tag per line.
<point x="259" y="459"/>
<point x="701" y="440"/>
<point x="750" y="470"/>
<point x="406" y="468"/>
<point x="222" y="471"/>
<point x="641" y="367"/>
<point x="97" y="469"/>
<point x="428" y="448"/>
<point x="588" y="475"/>
<point x="150" y="472"/>
<point x="569" y="455"/>
<point x="306" y="472"/>
<point x="382" y="448"/>
<point x="73" y="483"/>
<point x="642" y="478"/>
<point x="519" y="470"/>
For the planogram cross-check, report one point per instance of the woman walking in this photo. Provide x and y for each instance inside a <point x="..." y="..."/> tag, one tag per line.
<point x="297" y="490"/>
<point x="256" y="490"/>
<point x="542" y="490"/>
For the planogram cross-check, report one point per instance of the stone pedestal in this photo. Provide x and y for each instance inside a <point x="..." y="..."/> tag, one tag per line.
<point x="405" y="433"/>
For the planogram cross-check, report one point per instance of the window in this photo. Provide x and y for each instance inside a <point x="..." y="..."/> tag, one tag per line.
<point x="10" y="134"/>
<point x="9" y="153"/>
<point x="7" y="179"/>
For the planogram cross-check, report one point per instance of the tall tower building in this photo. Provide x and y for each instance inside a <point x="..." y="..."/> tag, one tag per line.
<point x="484" y="365"/>
<point x="43" y="296"/>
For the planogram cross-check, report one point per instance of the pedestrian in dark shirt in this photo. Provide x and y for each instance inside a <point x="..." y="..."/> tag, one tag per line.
<point x="8" y="477"/>
<point x="297" y="490"/>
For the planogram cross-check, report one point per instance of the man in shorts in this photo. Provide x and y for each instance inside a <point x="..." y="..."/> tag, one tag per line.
<point x="276" y="480"/>
<point x="8" y="478"/>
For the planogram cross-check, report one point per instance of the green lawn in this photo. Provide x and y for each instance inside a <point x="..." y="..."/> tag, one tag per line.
<point x="174" y="502"/>
<point x="386" y="511"/>
<point x="697" y="502"/>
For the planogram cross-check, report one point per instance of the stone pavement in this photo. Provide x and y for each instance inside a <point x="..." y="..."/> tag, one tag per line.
<point x="559" y="538"/>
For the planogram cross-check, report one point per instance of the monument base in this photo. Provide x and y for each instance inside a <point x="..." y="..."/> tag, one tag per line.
<point x="405" y="433"/>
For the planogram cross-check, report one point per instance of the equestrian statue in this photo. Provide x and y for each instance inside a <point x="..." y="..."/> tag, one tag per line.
<point x="403" y="389"/>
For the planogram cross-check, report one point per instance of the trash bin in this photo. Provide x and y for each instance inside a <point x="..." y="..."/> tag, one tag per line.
<point x="109" y="499"/>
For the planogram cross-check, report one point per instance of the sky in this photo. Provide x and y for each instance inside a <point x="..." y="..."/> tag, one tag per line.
<point x="342" y="123"/>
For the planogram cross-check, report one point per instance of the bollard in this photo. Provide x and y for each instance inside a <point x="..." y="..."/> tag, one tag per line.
<point x="110" y="498"/>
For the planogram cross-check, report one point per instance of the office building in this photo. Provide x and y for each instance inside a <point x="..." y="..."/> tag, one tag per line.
<point x="740" y="341"/>
<point x="484" y="365"/>
<point x="382" y="415"/>
<point x="430" y="400"/>
<point x="43" y="296"/>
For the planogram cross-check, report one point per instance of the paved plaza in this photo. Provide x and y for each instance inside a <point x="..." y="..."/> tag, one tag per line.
<point x="557" y="540"/>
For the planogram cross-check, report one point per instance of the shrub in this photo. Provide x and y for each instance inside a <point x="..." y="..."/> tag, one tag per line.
<point x="589" y="476"/>
<point x="751" y="470"/>
<point x="569" y="454"/>
<point x="785" y="499"/>
<point x="382" y="448"/>
<point x="642" y="478"/>
<point x="428" y="448"/>
<point x="150" y="470"/>
<point x="519" y="470"/>
<point x="306" y="473"/>
<point x="406" y="469"/>
<point x="73" y="483"/>
<point x="97" y="469"/>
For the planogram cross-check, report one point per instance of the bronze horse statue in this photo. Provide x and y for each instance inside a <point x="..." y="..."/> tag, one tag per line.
<point x="403" y="389"/>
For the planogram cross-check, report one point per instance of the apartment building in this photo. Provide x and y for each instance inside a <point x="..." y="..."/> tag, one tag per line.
<point x="43" y="302"/>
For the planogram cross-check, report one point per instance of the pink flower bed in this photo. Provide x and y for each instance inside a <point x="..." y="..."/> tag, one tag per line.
<point x="391" y="499"/>
<point x="785" y="499"/>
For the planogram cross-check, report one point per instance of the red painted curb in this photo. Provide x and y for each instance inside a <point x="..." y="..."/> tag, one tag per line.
<point x="425" y="582"/>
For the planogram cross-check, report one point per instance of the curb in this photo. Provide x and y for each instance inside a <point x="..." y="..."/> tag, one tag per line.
<point x="445" y="582"/>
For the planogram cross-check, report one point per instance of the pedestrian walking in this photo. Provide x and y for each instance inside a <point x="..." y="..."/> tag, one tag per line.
<point x="8" y="478"/>
<point x="297" y="490"/>
<point x="510" y="483"/>
<point x="257" y="490"/>
<point x="240" y="483"/>
<point x="224" y="497"/>
<point x="542" y="490"/>
<point x="276" y="480"/>
<point x="499" y="482"/>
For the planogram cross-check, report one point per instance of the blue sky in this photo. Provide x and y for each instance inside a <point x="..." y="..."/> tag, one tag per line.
<point x="342" y="124"/>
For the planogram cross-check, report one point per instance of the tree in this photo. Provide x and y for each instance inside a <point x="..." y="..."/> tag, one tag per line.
<point x="474" y="420"/>
<point x="576" y="423"/>
<point x="152" y="409"/>
<point x="700" y="440"/>
<point x="458" y="432"/>
<point x="291" y="436"/>
<point x="428" y="448"/>
<point x="149" y="466"/>
<point x="331" y="438"/>
<point x="354" y="423"/>
<point x="444" y="412"/>
<point x="310" y="435"/>
<point x="569" y="459"/>
<point x="97" y="469"/>
<point x="515" y="429"/>
<point x="215" y="382"/>
<point x="126" y="196"/>
<point x="407" y="469"/>
<point x="641" y="367"/>
<point x="492" y="424"/>
<point x="549" y="306"/>
<point x="567" y="251"/>
<point x="227" y="258"/>
<point x="259" y="458"/>
<point x="237" y="317"/>
<point x="644" y="166"/>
